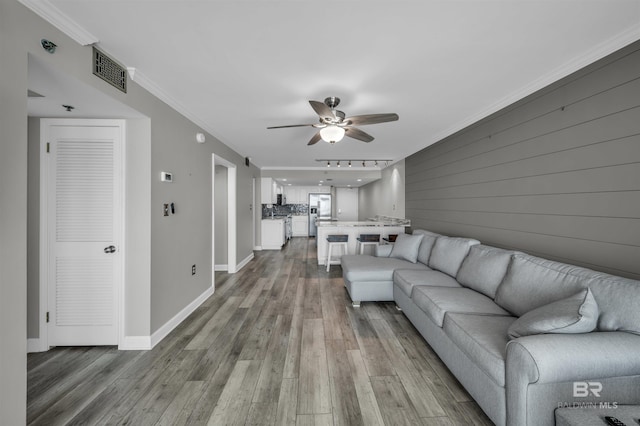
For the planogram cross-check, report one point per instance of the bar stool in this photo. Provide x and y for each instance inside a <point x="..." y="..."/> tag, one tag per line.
<point x="390" y="239"/>
<point x="335" y="241"/>
<point x="367" y="239"/>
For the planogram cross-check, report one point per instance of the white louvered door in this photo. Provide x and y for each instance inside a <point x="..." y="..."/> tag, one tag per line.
<point x="84" y="227"/>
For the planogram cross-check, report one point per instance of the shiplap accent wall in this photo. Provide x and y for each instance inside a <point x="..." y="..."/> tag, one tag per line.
<point x="556" y="174"/>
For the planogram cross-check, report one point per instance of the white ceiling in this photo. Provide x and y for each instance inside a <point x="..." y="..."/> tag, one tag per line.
<point x="235" y="67"/>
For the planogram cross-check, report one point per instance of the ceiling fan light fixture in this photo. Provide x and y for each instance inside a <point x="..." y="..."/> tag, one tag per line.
<point x="332" y="133"/>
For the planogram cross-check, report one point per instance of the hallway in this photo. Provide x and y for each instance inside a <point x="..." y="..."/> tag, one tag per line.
<point x="277" y="343"/>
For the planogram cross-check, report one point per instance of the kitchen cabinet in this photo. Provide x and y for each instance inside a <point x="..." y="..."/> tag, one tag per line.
<point x="292" y="193"/>
<point x="273" y="234"/>
<point x="300" y="226"/>
<point x="269" y="189"/>
<point x="300" y="194"/>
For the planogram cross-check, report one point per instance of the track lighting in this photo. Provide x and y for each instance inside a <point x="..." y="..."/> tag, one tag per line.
<point x="372" y="162"/>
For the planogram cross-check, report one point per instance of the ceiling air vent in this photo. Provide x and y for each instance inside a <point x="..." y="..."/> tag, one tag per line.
<point x="109" y="70"/>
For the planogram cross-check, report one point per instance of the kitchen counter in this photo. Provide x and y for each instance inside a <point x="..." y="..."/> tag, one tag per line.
<point x="368" y="223"/>
<point x="353" y="230"/>
<point x="276" y="217"/>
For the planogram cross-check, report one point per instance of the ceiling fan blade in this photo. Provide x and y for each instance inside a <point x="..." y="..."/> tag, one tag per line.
<point x="314" y="140"/>
<point x="291" y="125"/>
<point x="356" y="133"/>
<point x="360" y="120"/>
<point x="322" y="110"/>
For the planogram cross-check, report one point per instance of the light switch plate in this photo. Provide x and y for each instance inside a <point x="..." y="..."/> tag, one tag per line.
<point x="166" y="176"/>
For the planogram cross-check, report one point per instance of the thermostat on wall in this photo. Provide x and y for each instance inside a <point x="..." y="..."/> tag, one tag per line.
<point x="166" y="176"/>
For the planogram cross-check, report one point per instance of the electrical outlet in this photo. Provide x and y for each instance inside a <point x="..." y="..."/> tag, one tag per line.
<point x="193" y="269"/>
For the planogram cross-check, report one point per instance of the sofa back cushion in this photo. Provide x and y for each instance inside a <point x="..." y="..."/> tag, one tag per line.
<point x="532" y="282"/>
<point x="449" y="252"/>
<point x="619" y="302"/>
<point x="484" y="268"/>
<point x="429" y="239"/>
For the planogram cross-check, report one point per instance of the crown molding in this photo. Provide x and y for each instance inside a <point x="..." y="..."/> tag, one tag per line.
<point x="55" y="17"/>
<point x="598" y="52"/>
<point x="146" y="83"/>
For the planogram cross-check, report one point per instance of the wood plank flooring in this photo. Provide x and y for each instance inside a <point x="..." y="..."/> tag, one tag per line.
<point x="278" y="343"/>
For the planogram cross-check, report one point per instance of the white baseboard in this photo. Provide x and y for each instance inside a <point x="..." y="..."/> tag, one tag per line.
<point x="163" y="331"/>
<point x="245" y="261"/>
<point x="257" y="248"/>
<point x="135" y="343"/>
<point x="224" y="267"/>
<point x="33" y="345"/>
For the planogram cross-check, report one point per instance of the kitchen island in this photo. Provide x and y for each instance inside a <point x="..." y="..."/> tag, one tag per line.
<point x="353" y="230"/>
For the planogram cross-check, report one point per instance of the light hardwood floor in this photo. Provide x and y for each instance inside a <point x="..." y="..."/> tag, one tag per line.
<point x="277" y="343"/>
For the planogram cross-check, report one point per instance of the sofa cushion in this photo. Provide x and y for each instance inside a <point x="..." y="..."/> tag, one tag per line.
<point x="363" y="267"/>
<point x="425" y="232"/>
<point x="437" y="301"/>
<point x="406" y="247"/>
<point x="484" y="268"/>
<point x="448" y="253"/>
<point x="407" y="279"/>
<point x="424" y="252"/>
<point x="426" y="247"/>
<point x="618" y="302"/>
<point x="532" y="282"/>
<point x="483" y="338"/>
<point x="575" y="314"/>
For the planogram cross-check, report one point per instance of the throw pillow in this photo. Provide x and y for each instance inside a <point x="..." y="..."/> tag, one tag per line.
<point x="448" y="253"/>
<point x="575" y="314"/>
<point x="424" y="252"/>
<point x="406" y="247"/>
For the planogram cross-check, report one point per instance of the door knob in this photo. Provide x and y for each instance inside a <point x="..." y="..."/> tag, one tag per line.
<point x="110" y="249"/>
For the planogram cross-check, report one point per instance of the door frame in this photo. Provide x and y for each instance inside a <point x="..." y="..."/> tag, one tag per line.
<point x="43" y="339"/>
<point x="232" y="266"/>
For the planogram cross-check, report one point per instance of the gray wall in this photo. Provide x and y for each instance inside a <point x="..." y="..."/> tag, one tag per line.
<point x="386" y="196"/>
<point x="13" y="226"/>
<point x="556" y="174"/>
<point x="174" y="244"/>
<point x="33" y="228"/>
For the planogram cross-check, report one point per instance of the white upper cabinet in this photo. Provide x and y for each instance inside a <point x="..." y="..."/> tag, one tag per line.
<point x="300" y="194"/>
<point x="268" y="190"/>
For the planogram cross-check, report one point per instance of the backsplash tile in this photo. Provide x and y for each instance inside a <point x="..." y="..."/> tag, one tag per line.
<point x="293" y="209"/>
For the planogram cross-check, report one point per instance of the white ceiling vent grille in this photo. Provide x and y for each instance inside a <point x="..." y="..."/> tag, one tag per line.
<point x="109" y="70"/>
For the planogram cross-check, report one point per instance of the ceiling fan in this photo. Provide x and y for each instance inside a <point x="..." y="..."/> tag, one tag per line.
<point x="333" y="125"/>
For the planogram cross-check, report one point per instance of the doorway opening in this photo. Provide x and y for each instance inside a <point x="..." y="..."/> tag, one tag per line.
<point x="218" y="166"/>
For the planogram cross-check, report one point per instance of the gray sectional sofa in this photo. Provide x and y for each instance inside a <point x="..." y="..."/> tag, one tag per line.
<point x="524" y="335"/>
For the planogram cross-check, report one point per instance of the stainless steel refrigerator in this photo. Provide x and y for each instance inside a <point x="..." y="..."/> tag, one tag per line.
<point x="319" y="209"/>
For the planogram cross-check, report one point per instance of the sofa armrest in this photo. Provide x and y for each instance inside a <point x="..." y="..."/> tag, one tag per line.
<point x="383" y="250"/>
<point x="551" y="358"/>
<point x="539" y="368"/>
